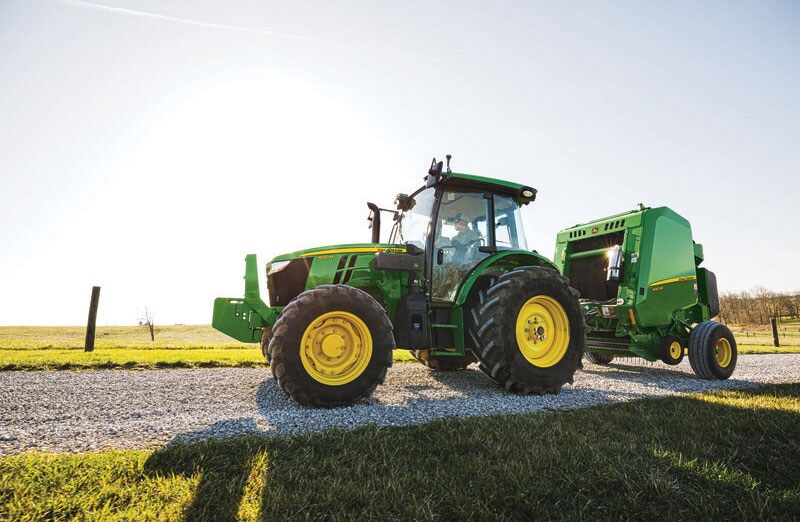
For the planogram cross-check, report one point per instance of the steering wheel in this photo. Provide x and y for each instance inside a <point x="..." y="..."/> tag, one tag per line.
<point x="465" y="252"/>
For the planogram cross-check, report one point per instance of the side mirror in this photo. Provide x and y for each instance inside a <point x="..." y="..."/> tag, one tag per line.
<point x="440" y="256"/>
<point x="434" y="173"/>
<point x="404" y="202"/>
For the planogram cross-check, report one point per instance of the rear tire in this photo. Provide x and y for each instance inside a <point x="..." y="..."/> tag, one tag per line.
<point x="266" y="335"/>
<point x="712" y="351"/>
<point x="331" y="346"/>
<point x="530" y="331"/>
<point x="598" y="357"/>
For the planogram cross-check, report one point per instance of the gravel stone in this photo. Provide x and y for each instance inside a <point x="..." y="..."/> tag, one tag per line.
<point x="66" y="411"/>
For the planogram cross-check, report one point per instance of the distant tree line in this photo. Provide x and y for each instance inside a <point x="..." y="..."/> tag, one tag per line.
<point x="758" y="306"/>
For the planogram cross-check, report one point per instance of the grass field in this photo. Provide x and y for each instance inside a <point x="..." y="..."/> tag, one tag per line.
<point x="127" y="347"/>
<point x="730" y="455"/>
<point x="200" y="346"/>
<point x="758" y="339"/>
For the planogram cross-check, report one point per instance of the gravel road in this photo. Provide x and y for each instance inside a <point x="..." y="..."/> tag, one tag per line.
<point x="68" y="411"/>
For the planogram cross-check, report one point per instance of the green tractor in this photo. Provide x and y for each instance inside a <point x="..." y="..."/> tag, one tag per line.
<point x="454" y="284"/>
<point x="644" y="292"/>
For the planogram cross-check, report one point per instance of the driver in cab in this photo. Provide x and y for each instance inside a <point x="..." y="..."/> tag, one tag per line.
<point x="464" y="236"/>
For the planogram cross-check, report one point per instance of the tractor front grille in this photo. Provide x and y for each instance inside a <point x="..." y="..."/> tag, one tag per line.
<point x="286" y="284"/>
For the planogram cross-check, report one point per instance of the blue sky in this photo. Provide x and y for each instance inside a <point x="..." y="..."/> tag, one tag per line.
<point x="148" y="146"/>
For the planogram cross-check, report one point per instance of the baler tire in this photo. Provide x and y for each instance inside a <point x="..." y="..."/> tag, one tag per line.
<point x="705" y="343"/>
<point x="598" y="357"/>
<point x="448" y="363"/>
<point x="665" y="350"/>
<point x="299" y="315"/>
<point x="499" y="353"/>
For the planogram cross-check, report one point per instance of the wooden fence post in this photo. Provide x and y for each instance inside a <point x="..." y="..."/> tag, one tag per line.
<point x="89" y="345"/>
<point x="775" y="340"/>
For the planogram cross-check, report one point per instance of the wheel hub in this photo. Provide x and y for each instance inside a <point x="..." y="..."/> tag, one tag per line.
<point x="333" y="345"/>
<point x="337" y="347"/>
<point x="542" y="331"/>
<point x="723" y="352"/>
<point x="675" y="350"/>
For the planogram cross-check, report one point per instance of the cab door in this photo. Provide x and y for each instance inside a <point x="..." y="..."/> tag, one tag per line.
<point x="460" y="230"/>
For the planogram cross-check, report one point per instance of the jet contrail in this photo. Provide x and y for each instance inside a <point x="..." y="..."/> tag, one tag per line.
<point x="146" y="14"/>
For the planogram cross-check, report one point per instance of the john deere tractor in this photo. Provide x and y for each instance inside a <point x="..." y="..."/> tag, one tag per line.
<point x="644" y="292"/>
<point x="454" y="284"/>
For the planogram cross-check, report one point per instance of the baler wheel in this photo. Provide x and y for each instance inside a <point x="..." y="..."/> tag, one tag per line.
<point x="445" y="363"/>
<point x="670" y="350"/>
<point x="530" y="331"/>
<point x="598" y="356"/>
<point x="712" y="351"/>
<point x="331" y="346"/>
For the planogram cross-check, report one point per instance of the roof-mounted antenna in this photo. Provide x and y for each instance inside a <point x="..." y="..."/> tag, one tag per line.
<point x="448" y="163"/>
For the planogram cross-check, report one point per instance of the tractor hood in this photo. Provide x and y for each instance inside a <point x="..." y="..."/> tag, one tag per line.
<point x="350" y="248"/>
<point x="289" y="275"/>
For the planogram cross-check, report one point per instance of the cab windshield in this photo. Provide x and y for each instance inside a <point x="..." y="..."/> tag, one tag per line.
<point x="412" y="225"/>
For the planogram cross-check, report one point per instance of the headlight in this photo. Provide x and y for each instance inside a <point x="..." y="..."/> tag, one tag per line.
<point x="277" y="266"/>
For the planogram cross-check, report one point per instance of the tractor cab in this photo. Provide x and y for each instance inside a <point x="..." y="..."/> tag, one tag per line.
<point x="459" y="220"/>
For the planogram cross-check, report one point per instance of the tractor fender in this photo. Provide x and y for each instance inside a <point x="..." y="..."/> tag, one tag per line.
<point x="506" y="259"/>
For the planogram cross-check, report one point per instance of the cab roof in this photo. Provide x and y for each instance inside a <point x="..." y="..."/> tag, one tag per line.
<point x="522" y="193"/>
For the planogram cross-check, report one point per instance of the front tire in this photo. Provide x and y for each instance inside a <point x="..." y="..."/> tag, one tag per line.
<point x="712" y="351"/>
<point x="331" y="346"/>
<point x="530" y="331"/>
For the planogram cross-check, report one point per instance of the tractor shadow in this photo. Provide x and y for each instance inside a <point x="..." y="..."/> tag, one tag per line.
<point x="250" y="470"/>
<point x="221" y="462"/>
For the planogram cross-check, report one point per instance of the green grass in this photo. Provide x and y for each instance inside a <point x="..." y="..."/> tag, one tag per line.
<point x="140" y="359"/>
<point x="200" y="346"/>
<point x="756" y="349"/>
<point x="125" y="358"/>
<point x="127" y="347"/>
<point x="731" y="455"/>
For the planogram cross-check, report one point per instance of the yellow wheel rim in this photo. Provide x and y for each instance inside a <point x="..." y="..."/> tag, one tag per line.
<point x="542" y="331"/>
<point x="724" y="352"/>
<point x="336" y="348"/>
<point x="675" y="350"/>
